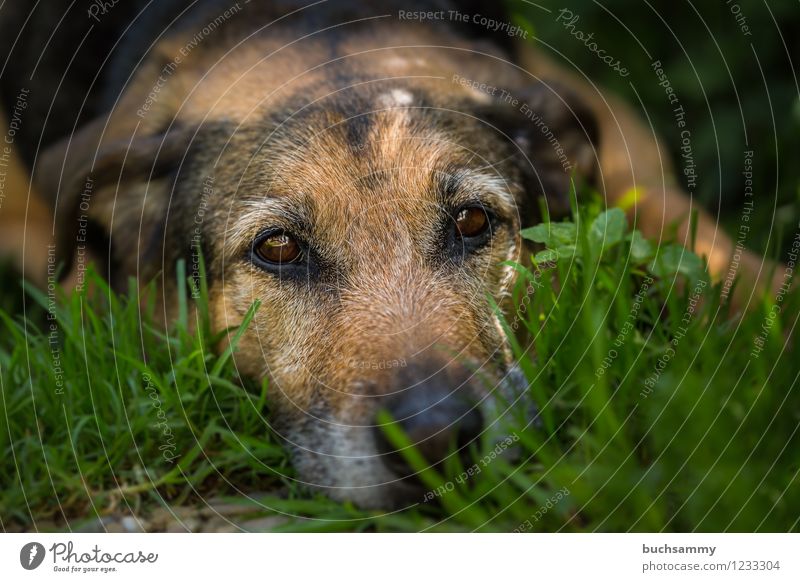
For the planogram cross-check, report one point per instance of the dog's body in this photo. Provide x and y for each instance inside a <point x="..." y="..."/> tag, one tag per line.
<point x="344" y="166"/>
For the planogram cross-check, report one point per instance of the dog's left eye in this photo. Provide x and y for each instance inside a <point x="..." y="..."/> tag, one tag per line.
<point x="278" y="249"/>
<point x="471" y="222"/>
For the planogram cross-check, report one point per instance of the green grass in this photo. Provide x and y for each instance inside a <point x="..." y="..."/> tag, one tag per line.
<point x="711" y="445"/>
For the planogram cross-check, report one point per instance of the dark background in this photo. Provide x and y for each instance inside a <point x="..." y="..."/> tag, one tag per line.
<point x="725" y="80"/>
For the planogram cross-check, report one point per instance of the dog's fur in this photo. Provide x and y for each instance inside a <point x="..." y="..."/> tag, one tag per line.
<point x="344" y="127"/>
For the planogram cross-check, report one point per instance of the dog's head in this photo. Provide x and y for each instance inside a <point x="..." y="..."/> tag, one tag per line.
<point x="371" y="207"/>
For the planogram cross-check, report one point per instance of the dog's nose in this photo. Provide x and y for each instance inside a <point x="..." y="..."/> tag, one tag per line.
<point x="438" y="419"/>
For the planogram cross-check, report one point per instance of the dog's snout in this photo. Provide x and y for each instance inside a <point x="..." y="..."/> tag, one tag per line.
<point x="438" y="417"/>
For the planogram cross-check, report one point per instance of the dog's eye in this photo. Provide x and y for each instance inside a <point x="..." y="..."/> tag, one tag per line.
<point x="279" y="248"/>
<point x="471" y="222"/>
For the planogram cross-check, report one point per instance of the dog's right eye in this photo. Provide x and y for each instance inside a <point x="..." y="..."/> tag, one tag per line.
<point x="278" y="249"/>
<point x="471" y="222"/>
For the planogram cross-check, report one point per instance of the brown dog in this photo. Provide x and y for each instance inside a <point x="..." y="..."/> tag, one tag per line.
<point x="363" y="173"/>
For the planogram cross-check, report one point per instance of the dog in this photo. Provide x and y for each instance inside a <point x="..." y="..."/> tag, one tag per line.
<point x="363" y="170"/>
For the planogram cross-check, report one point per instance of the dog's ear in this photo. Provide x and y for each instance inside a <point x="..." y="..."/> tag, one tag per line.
<point x="555" y="136"/>
<point x="110" y="196"/>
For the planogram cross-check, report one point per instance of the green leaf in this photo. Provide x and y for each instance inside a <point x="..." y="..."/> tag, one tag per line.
<point x="608" y="228"/>
<point x="552" y="234"/>
<point x="673" y="259"/>
<point x="549" y="255"/>
<point x="641" y="248"/>
<point x="546" y="256"/>
<point x="248" y="317"/>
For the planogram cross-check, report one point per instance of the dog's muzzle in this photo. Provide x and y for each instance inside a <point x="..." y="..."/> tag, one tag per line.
<point x="439" y="412"/>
